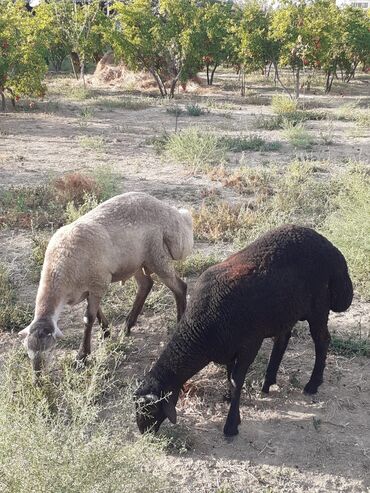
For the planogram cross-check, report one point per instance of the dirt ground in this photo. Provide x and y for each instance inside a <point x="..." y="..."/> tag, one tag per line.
<point x="287" y="442"/>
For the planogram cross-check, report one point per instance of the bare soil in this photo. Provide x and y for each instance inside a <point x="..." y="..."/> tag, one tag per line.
<point x="287" y="442"/>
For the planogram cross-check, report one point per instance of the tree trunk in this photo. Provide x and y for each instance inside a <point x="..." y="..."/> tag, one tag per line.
<point x="76" y="65"/>
<point x="297" y="77"/>
<point x="269" y="70"/>
<point x="157" y="78"/>
<point x="3" y="105"/>
<point x="242" y="84"/>
<point x="213" y="73"/>
<point x="277" y="77"/>
<point x="82" y="71"/>
<point x="207" y="67"/>
<point x="173" y="85"/>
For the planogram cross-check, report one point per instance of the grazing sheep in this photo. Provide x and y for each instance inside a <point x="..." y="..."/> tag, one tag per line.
<point x="132" y="234"/>
<point x="291" y="273"/>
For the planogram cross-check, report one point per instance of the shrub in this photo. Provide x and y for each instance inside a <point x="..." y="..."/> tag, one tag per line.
<point x="194" y="110"/>
<point x="194" y="148"/>
<point x="297" y="135"/>
<point x="282" y="104"/>
<point x="53" y="436"/>
<point x="221" y="221"/>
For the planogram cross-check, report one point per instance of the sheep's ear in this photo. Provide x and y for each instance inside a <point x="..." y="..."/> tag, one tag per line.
<point x="57" y="334"/>
<point x="170" y="411"/>
<point x="25" y="332"/>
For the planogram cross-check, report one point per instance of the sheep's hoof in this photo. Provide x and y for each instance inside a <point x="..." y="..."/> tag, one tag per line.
<point x="310" y="388"/>
<point x="80" y="362"/>
<point x="230" y="432"/>
<point x="266" y="389"/>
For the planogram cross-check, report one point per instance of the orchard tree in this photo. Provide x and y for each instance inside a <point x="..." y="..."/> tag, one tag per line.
<point x="354" y="28"/>
<point x="289" y="30"/>
<point x="216" y="25"/>
<point x="81" y="26"/>
<point x="257" y="48"/>
<point x="159" y="37"/>
<point x="22" y="50"/>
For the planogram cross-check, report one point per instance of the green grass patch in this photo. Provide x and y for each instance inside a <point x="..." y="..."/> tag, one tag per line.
<point x="195" y="148"/>
<point x="348" y="225"/>
<point x="251" y="143"/>
<point x="297" y="135"/>
<point x="197" y="263"/>
<point x="349" y="347"/>
<point x="14" y="316"/>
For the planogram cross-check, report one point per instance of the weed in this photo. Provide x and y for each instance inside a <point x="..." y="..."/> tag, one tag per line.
<point x="251" y="143"/>
<point x="348" y="225"/>
<point x="127" y="103"/>
<point x="14" y="316"/>
<point x="282" y="104"/>
<point x="85" y="115"/>
<point x="196" y="149"/>
<point x="194" y="110"/>
<point x="352" y="346"/>
<point x="326" y="134"/>
<point x="268" y="122"/>
<point x="175" y="110"/>
<point x="44" y="205"/>
<point x="298" y="136"/>
<point x="94" y="143"/>
<point x="64" y="443"/>
<point x="73" y="212"/>
<point x="220" y="221"/>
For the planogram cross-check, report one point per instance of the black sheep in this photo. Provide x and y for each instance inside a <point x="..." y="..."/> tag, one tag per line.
<point x="291" y="273"/>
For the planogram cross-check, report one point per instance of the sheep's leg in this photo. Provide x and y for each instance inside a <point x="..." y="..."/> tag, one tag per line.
<point x="179" y="288"/>
<point x="145" y="284"/>
<point x="229" y="369"/>
<point x="243" y="361"/>
<point x="103" y="322"/>
<point x="89" y="319"/>
<point x="280" y="345"/>
<point x="321" y="337"/>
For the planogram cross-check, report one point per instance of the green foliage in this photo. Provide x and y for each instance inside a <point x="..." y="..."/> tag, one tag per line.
<point x="158" y="38"/>
<point x="14" y="316"/>
<point x="78" y="29"/>
<point x="22" y="48"/>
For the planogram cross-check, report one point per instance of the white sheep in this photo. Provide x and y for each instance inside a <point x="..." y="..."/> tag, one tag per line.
<point x="132" y="234"/>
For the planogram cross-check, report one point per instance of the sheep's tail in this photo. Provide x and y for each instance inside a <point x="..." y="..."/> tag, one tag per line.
<point x="341" y="292"/>
<point x="178" y="237"/>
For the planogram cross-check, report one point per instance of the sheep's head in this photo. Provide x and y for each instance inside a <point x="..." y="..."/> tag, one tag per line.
<point x="39" y="338"/>
<point x="152" y="408"/>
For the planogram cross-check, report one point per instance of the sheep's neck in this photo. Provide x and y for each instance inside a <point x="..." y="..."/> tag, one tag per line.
<point x="182" y="358"/>
<point x="48" y="304"/>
